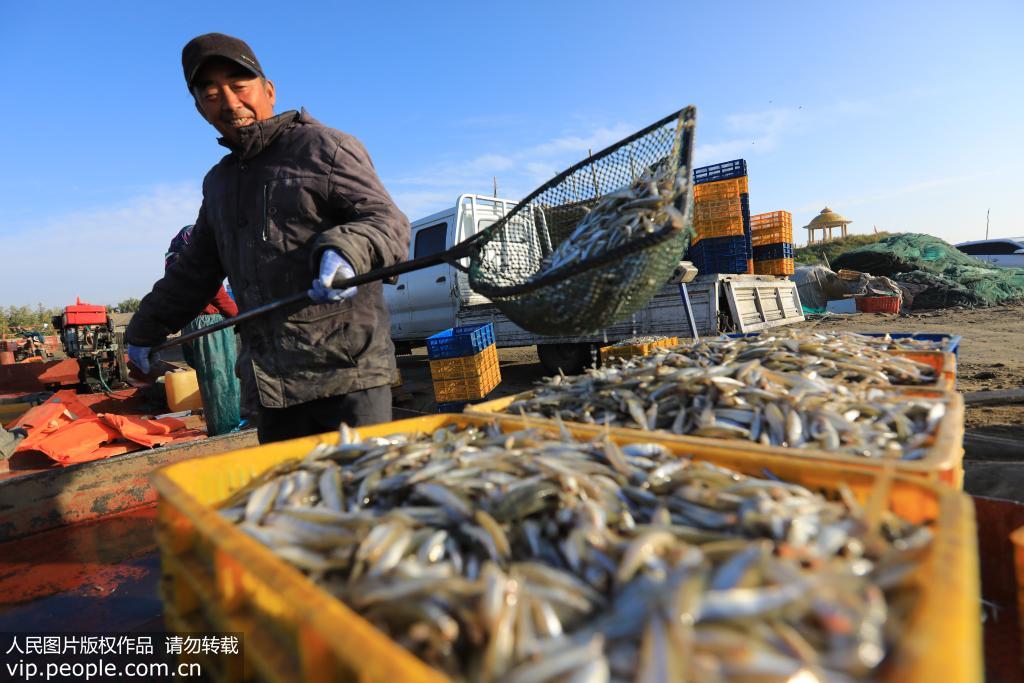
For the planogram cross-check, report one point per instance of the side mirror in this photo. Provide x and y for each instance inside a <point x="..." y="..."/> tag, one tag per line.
<point x="1019" y="251"/>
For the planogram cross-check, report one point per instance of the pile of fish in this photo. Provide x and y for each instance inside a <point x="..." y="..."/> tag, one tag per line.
<point x="526" y="558"/>
<point x="786" y="390"/>
<point x="629" y="213"/>
<point x="843" y="357"/>
<point x="887" y="343"/>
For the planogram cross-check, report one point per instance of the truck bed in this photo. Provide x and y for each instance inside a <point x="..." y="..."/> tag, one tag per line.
<point x="763" y="302"/>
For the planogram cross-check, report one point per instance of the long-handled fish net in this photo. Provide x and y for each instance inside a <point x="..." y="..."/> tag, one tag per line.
<point x="595" y="243"/>
<point x="586" y="249"/>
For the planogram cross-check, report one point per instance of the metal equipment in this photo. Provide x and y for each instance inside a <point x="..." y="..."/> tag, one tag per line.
<point x="87" y="333"/>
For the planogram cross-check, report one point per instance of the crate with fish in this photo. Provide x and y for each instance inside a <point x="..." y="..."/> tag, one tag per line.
<point x="457" y="548"/>
<point x="464" y="366"/>
<point x="636" y="346"/>
<point x="724" y="171"/>
<point x="810" y="395"/>
<point x="773" y="227"/>
<point x="917" y="341"/>
<point x="924" y="351"/>
<point x="721" y="189"/>
<point x="940" y="351"/>
<point x="465" y="340"/>
<point x="780" y="266"/>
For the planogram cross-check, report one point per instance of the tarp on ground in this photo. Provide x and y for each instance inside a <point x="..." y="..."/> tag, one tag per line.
<point x="941" y="275"/>
<point x="68" y="432"/>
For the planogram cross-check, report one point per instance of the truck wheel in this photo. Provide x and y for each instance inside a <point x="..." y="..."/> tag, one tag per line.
<point x="571" y="359"/>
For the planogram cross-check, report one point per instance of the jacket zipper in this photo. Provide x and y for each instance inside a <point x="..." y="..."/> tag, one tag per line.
<point x="266" y="221"/>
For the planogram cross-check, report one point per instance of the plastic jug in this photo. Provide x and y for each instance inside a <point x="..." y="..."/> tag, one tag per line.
<point x="182" y="389"/>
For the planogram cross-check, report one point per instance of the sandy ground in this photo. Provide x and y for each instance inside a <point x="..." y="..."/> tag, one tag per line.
<point x="991" y="357"/>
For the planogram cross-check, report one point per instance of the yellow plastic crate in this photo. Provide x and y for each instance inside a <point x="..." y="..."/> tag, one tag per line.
<point x="778" y="266"/>
<point x="943" y="460"/>
<point x="467" y="388"/>
<point x="464" y="366"/>
<point x="218" y="577"/>
<point x="629" y="351"/>
<point x="721" y="189"/>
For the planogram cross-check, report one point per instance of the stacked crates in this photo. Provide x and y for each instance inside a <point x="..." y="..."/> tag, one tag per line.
<point x="772" y="240"/>
<point x="722" y="219"/>
<point x="463" y="365"/>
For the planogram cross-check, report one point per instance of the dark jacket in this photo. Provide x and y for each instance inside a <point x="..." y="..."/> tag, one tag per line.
<point x="292" y="189"/>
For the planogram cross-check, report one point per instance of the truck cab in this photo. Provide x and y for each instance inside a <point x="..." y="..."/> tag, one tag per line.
<point x="425" y="302"/>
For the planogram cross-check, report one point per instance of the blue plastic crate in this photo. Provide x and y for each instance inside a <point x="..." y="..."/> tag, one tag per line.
<point x="721" y="255"/>
<point x="466" y="340"/>
<point x="770" y="252"/>
<point x="736" y="245"/>
<point x="747" y="232"/>
<point x="721" y="264"/>
<point x="723" y="171"/>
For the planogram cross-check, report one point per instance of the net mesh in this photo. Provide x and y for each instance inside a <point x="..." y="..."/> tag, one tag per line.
<point x="528" y="263"/>
<point x="944" y="275"/>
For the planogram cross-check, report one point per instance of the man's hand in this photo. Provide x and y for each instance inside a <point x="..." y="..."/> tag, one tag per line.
<point x="332" y="264"/>
<point x="139" y="357"/>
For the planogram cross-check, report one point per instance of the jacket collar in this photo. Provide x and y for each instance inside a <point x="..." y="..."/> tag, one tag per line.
<point x="260" y="135"/>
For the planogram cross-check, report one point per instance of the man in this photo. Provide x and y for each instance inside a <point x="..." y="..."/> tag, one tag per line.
<point x="293" y="200"/>
<point x="213" y="356"/>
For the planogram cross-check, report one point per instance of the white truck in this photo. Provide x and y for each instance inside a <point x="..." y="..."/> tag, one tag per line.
<point x="428" y="301"/>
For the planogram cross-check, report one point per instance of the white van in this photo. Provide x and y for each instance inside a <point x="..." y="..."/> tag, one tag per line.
<point x="1007" y="252"/>
<point x="428" y="301"/>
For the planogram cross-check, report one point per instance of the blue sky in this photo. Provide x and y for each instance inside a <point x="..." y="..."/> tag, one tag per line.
<point x="901" y="115"/>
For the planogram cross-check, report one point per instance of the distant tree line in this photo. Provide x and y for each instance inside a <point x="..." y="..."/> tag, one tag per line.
<point x="26" y="316"/>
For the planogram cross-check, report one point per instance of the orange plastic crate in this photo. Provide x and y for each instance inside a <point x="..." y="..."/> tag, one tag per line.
<point x="718" y="208"/>
<point x="464" y="366"/>
<point x="716" y="227"/>
<point x="721" y="189"/>
<point x="771" y="228"/>
<point x="467" y="388"/>
<point x="629" y="351"/>
<point x="779" y="266"/>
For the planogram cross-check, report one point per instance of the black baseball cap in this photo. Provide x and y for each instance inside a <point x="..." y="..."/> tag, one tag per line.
<point x="210" y="45"/>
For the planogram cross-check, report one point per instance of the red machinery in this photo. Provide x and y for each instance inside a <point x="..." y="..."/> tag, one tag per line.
<point x="87" y="334"/>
